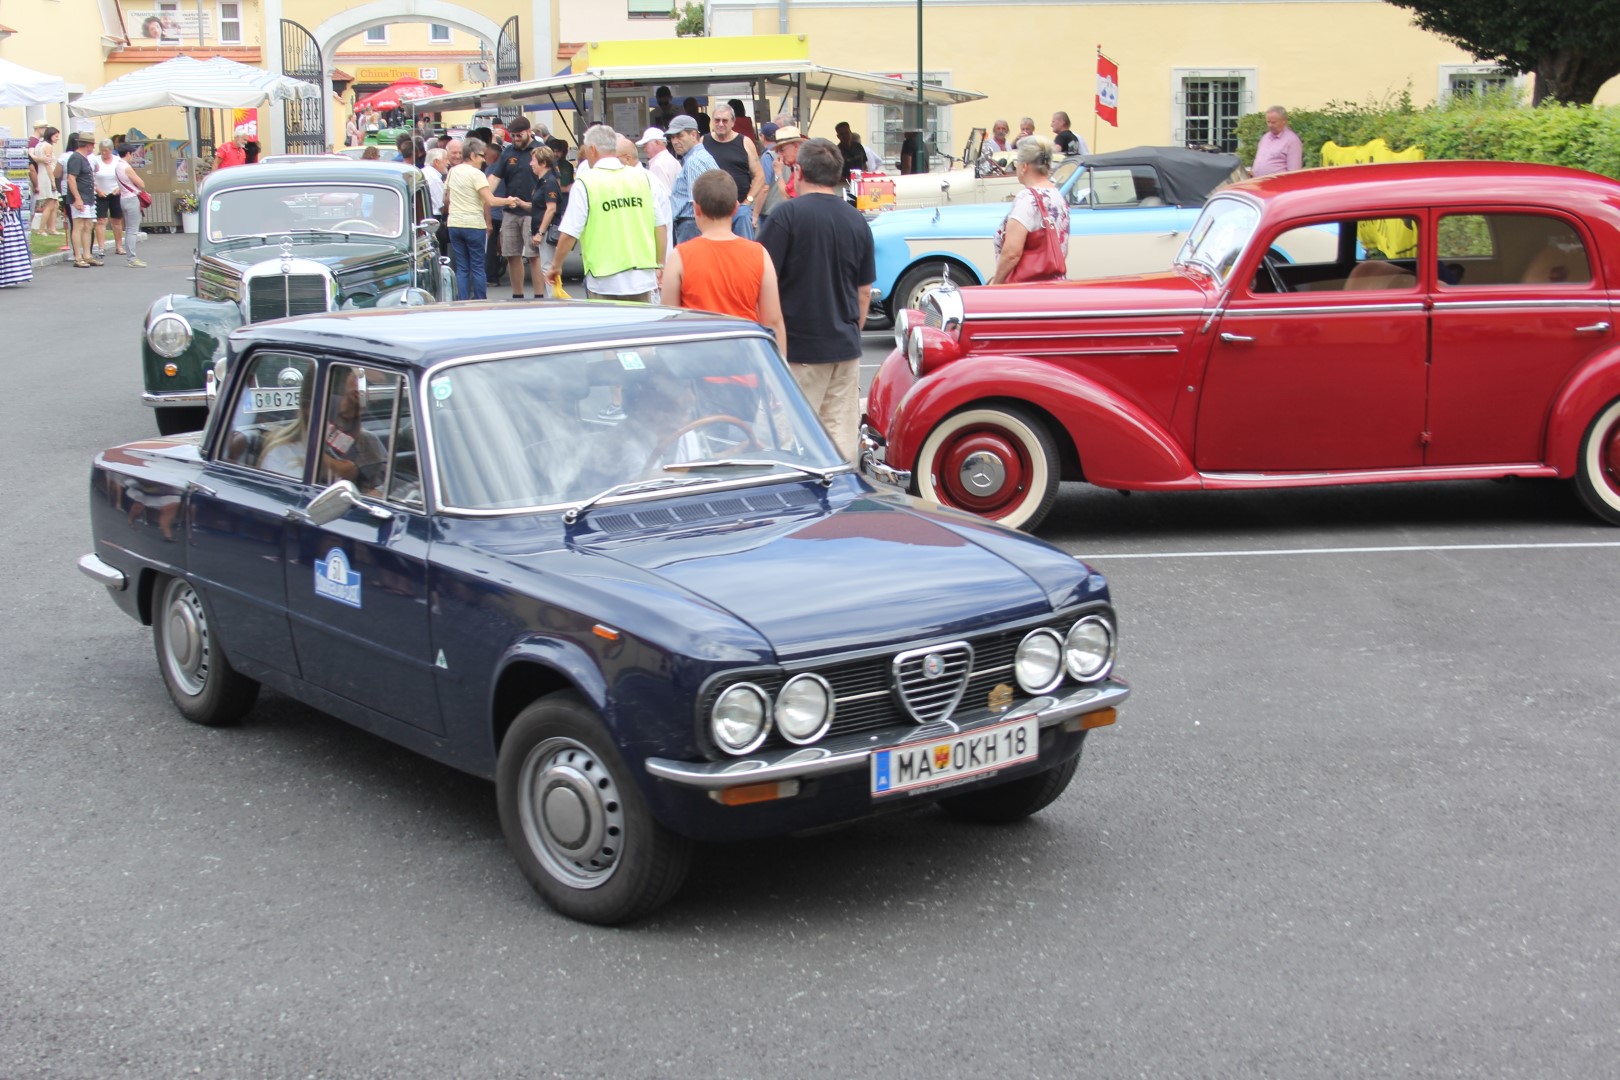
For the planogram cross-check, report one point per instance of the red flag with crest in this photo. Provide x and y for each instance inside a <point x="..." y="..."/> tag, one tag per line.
<point x="1107" y="89"/>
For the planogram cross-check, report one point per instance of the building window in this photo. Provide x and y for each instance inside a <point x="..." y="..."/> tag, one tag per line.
<point x="230" y="24"/>
<point x="652" y="9"/>
<point x="1470" y="79"/>
<point x="438" y="33"/>
<point x="377" y="35"/>
<point x="1208" y="102"/>
<point x="888" y="124"/>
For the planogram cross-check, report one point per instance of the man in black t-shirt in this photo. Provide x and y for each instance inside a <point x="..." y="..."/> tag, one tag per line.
<point x="822" y="249"/>
<point x="513" y="176"/>
<point x="1064" y="138"/>
<point x="81" y="191"/>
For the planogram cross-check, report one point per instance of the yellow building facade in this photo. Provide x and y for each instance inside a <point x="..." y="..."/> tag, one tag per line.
<point x="1188" y="68"/>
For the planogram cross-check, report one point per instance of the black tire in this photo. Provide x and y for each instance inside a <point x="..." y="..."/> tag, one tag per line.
<point x="996" y="461"/>
<point x="200" y="680"/>
<point x="178" y="421"/>
<point x="1597" y="469"/>
<point x="576" y="822"/>
<point x="924" y="276"/>
<point x="1015" y="800"/>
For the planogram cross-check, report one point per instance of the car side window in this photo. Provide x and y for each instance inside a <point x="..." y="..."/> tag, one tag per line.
<point x="1342" y="256"/>
<point x="269" y="425"/>
<point x="1112" y="188"/>
<point x="367" y="436"/>
<point x="1492" y="250"/>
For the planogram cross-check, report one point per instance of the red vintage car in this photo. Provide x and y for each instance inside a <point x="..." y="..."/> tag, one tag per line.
<point x="1372" y="324"/>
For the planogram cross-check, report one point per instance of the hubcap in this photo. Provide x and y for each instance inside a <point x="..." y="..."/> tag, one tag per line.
<point x="573" y="817"/>
<point x="984" y="470"/>
<point x="185" y="639"/>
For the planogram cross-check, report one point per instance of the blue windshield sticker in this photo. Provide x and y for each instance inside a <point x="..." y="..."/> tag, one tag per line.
<point x="630" y="360"/>
<point x="441" y="389"/>
<point x="335" y="581"/>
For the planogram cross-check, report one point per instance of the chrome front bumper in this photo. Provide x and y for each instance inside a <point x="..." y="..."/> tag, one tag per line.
<point x="873" y="467"/>
<point x="174" y="398"/>
<point x="103" y="573"/>
<point x="855" y="751"/>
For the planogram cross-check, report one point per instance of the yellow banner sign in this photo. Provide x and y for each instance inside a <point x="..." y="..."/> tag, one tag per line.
<point x="377" y="73"/>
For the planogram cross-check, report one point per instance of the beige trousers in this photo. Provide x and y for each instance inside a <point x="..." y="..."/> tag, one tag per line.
<point x="834" y="391"/>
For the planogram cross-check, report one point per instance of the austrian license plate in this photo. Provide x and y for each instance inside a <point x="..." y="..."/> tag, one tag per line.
<point x="920" y="765"/>
<point x="273" y="399"/>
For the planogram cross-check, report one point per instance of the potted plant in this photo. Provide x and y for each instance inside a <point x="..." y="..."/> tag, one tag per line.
<point x="185" y="204"/>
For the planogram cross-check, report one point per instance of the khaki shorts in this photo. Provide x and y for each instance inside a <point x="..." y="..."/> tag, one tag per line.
<point x="516" y="237"/>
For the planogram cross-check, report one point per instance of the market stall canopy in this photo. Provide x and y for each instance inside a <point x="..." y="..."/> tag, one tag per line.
<point x="400" y="92"/>
<point x="216" y="83"/>
<point x="25" y="86"/>
<point x="819" y="83"/>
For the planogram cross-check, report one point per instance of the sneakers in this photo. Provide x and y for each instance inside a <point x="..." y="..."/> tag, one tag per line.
<point x="612" y="412"/>
<point x="137" y="263"/>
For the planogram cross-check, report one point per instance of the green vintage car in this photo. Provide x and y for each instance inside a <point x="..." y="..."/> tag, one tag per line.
<point x="289" y="238"/>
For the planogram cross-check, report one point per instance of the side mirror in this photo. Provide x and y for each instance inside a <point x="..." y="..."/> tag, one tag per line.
<point x="337" y="500"/>
<point x="428" y="224"/>
<point x="214" y="380"/>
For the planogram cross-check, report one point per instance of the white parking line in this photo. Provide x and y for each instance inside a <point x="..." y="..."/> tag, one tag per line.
<point x="1344" y="550"/>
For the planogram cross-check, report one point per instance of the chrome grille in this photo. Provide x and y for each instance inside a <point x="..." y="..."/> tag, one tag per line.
<point x="932" y="316"/>
<point x="275" y="296"/>
<point x="929" y="682"/>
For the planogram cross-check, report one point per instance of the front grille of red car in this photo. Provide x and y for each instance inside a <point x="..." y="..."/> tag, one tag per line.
<point x="932" y="316"/>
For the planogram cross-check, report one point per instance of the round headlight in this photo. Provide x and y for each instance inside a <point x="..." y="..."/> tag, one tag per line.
<point x="169" y="334"/>
<point x="914" y="350"/>
<point x="1088" y="651"/>
<point x="1038" y="666"/>
<point x="738" y="718"/>
<point x="902" y="326"/>
<point x="804" y="708"/>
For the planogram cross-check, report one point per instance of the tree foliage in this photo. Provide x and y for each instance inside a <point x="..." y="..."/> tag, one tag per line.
<point x="1573" y="48"/>
<point x="691" y="22"/>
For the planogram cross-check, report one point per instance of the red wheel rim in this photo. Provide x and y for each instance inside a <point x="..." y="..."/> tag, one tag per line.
<point x="983" y="470"/>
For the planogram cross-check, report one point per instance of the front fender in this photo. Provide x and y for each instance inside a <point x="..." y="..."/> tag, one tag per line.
<point x="211" y="322"/>
<point x="1588" y="389"/>
<point x="1118" y="445"/>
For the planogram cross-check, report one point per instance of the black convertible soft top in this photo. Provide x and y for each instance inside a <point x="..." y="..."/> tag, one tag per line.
<point x="1187" y="177"/>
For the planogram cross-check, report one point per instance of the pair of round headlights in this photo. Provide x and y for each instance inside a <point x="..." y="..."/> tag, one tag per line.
<point x="743" y="714"/>
<point x="1086" y="654"/>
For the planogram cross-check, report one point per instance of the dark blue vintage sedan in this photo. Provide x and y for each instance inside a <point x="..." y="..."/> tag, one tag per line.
<point x="605" y="555"/>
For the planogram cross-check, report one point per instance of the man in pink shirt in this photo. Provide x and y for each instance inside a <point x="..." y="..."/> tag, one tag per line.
<point x="1280" y="149"/>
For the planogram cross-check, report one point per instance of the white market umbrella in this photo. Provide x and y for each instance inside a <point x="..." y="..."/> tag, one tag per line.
<point x="194" y="84"/>
<point x="25" y="86"/>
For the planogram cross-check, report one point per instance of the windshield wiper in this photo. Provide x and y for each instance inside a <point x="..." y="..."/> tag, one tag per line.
<point x="635" y="487"/>
<point x="824" y="475"/>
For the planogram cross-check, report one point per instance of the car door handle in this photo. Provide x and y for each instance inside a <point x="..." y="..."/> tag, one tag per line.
<point x="1595" y="328"/>
<point x="1235" y="338"/>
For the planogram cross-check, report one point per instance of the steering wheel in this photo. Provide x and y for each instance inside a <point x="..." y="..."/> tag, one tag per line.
<point x="363" y="226"/>
<point x="712" y="420"/>
<point x="1268" y="263"/>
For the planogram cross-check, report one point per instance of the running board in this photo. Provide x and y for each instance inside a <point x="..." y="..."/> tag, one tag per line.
<point x="1225" y="481"/>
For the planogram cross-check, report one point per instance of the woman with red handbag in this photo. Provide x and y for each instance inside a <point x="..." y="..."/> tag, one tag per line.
<point x="16" y="263"/>
<point x="1033" y="242"/>
<point x="132" y="200"/>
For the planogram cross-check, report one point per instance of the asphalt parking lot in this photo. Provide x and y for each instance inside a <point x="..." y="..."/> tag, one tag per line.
<point x="1359" y="819"/>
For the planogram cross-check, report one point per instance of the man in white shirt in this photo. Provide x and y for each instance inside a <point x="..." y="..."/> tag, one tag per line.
<point x="662" y="165"/>
<point x="621" y="266"/>
<point x="997" y="143"/>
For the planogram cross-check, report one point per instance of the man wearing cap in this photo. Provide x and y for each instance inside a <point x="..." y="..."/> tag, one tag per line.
<point x="767" y="152"/>
<point x="788" y="139"/>
<point x="612" y="215"/>
<point x="661" y="164"/>
<point x="686" y="142"/>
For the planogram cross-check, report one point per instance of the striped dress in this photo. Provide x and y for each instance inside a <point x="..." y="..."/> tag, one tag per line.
<point x="16" y="264"/>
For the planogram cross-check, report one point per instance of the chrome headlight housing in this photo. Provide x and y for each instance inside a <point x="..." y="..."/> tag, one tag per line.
<point x="914" y="351"/>
<point x="1038" y="664"/>
<point x="1090" y="648"/>
<point x="169" y="335"/>
<point x="804" y="709"/>
<point x="740" y="718"/>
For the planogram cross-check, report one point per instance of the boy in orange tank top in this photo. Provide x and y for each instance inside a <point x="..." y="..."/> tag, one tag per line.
<point x="718" y="270"/>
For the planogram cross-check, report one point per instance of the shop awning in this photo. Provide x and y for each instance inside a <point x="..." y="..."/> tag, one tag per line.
<point x="25" y="86"/>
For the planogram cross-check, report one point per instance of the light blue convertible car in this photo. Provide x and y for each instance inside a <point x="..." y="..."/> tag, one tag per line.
<point x="1129" y="211"/>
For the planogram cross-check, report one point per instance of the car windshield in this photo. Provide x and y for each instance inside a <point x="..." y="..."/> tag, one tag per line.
<point x="1219" y="236"/>
<point x="561" y="429"/>
<point x="359" y="210"/>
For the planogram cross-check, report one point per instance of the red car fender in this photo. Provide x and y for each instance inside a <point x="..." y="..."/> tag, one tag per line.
<point x="1588" y="389"/>
<point x="1119" y="446"/>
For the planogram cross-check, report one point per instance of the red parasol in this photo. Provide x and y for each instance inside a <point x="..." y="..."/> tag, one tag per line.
<point x="400" y="92"/>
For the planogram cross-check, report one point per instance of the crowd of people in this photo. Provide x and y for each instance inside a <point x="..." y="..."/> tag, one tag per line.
<point x="94" y="189"/>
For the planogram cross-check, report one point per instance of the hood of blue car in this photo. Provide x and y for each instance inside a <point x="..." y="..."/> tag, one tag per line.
<point x="871" y="572"/>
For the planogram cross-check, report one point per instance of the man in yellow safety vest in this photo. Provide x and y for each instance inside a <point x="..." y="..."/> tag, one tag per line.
<point x="614" y="217"/>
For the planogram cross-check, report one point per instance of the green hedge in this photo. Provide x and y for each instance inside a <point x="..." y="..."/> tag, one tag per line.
<point x="1495" y="127"/>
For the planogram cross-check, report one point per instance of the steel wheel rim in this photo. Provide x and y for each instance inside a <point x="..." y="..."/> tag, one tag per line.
<point x="934" y="280"/>
<point x="186" y="646"/>
<point x="572" y="813"/>
<point x="985" y="470"/>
